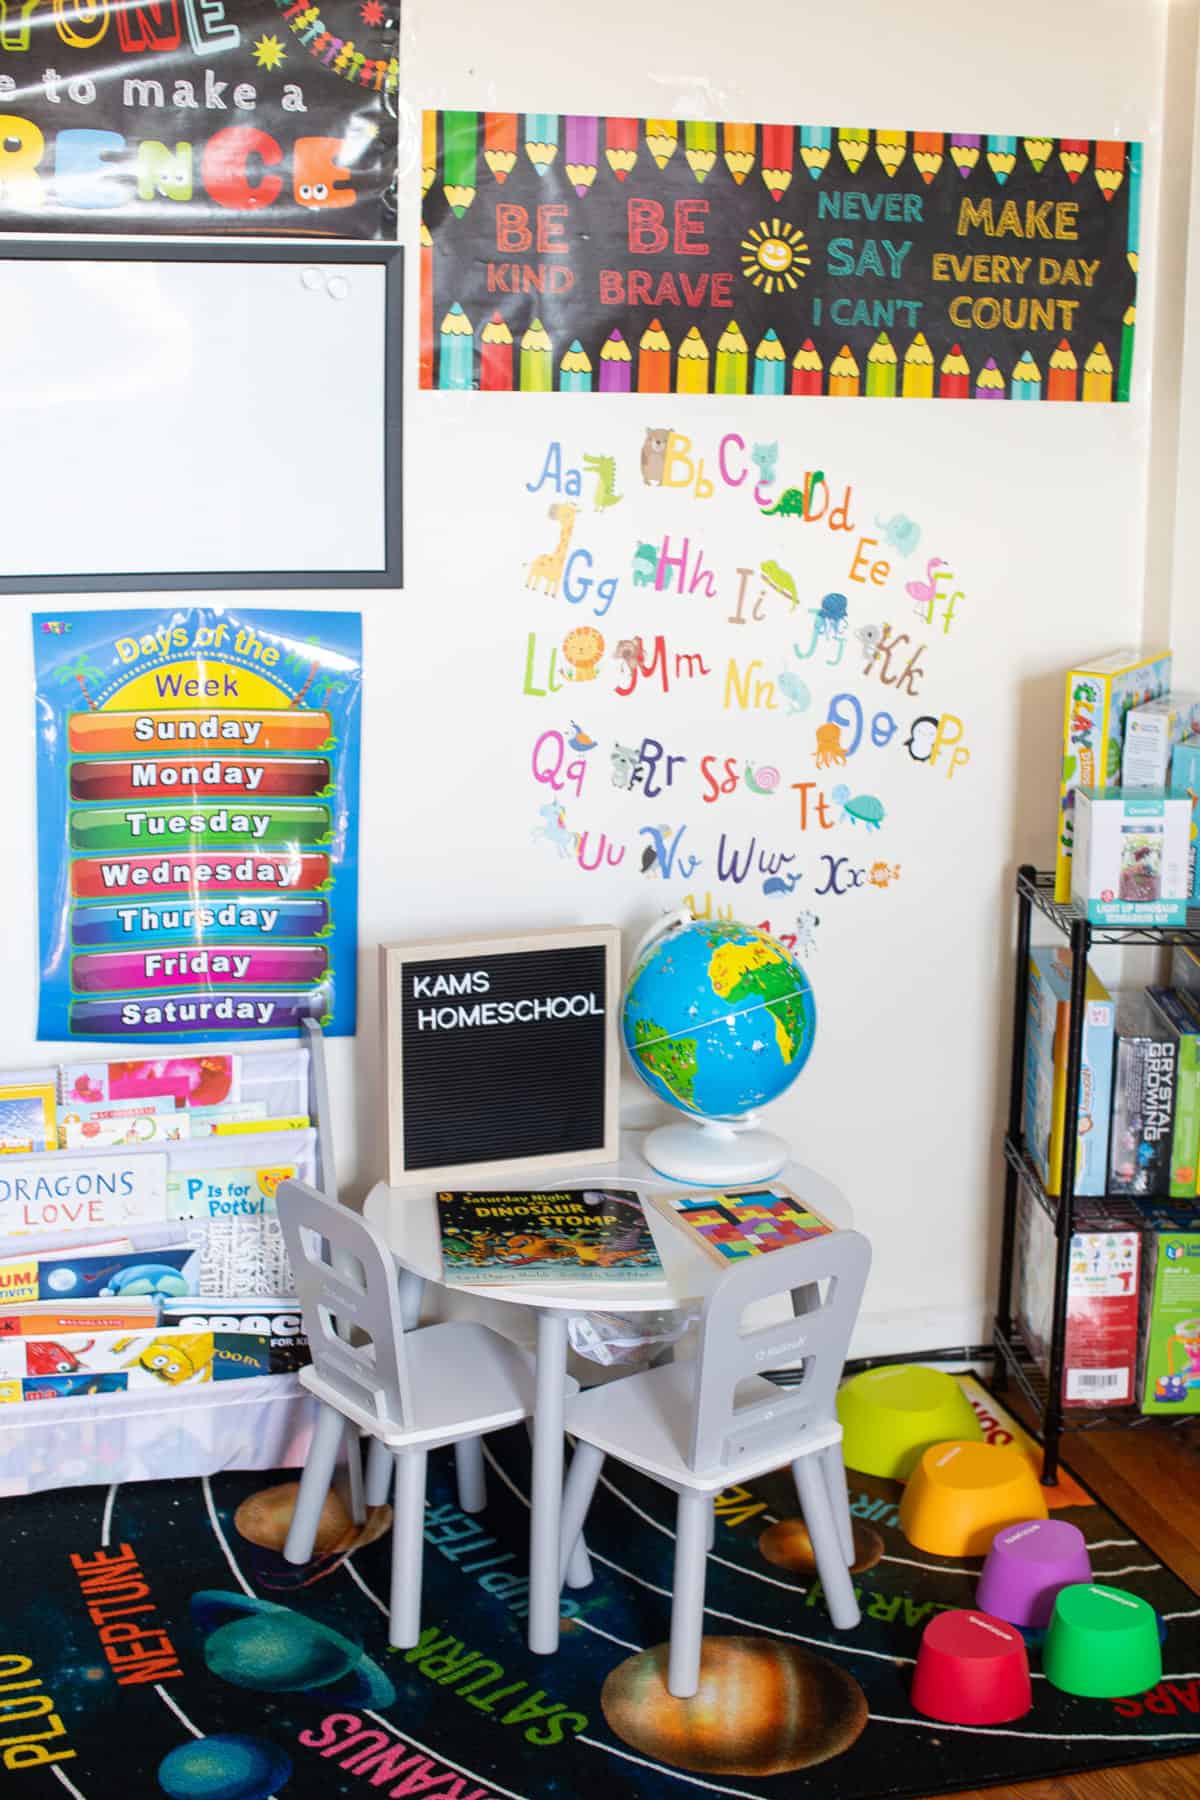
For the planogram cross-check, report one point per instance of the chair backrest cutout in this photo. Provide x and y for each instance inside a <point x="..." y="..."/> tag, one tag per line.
<point x="346" y="1283"/>
<point x="824" y="1278"/>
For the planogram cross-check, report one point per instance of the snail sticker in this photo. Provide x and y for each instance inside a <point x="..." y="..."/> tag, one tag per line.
<point x="197" y="823"/>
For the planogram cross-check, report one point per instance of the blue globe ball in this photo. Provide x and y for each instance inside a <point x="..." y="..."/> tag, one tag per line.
<point x="718" y="1018"/>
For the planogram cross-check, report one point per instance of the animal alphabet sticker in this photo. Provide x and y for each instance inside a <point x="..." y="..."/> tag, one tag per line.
<point x="569" y="253"/>
<point x="197" y="822"/>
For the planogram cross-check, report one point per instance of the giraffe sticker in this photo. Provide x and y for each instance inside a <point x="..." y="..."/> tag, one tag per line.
<point x="545" y="571"/>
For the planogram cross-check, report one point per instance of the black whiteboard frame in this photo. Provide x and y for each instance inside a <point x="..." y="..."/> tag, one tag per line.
<point x="391" y="256"/>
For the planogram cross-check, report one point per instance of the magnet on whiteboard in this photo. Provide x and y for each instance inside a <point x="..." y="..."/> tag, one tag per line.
<point x="312" y="279"/>
<point x="337" y="287"/>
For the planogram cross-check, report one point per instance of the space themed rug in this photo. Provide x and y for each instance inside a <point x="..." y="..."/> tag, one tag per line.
<point x="155" y="1642"/>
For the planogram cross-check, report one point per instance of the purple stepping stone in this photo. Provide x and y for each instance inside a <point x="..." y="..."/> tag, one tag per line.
<point x="1026" y="1566"/>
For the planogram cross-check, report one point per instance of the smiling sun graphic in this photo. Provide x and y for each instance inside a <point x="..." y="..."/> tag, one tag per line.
<point x="775" y="255"/>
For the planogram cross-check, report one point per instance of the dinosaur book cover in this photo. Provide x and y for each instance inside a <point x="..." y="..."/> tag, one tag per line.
<point x="569" y="1234"/>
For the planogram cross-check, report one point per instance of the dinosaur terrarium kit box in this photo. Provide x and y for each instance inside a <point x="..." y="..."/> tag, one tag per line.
<point x="1130" y="860"/>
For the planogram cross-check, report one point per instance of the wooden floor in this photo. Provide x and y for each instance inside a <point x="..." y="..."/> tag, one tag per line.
<point x="1150" y="1477"/>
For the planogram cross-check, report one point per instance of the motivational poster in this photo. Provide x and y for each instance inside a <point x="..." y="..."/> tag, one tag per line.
<point x="575" y="254"/>
<point x="266" y="116"/>
<point x="197" y="822"/>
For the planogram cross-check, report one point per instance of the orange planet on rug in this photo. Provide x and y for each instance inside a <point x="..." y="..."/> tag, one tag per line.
<point x="762" y="1708"/>
<point x="264" y="1519"/>
<point x="788" y="1545"/>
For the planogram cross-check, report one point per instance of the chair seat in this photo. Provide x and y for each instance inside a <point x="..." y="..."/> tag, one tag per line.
<point x="465" y="1380"/>
<point x="646" y="1421"/>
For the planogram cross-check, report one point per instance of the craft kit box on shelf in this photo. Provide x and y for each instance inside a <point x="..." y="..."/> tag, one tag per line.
<point x="1130" y="860"/>
<point x="1169" y="1377"/>
<point x="1100" y="1364"/>
<point x="1151" y="734"/>
<point x="1174" y="1009"/>
<point x="1185" y="779"/>
<point x="1046" y="1073"/>
<point x="1099" y="697"/>
<point x="1142" y="1129"/>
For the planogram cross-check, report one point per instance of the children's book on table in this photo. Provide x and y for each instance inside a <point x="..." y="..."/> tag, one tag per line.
<point x="565" y="1234"/>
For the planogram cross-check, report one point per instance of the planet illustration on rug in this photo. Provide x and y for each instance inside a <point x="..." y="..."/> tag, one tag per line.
<point x="762" y="1708"/>
<point x="155" y="1620"/>
<point x="264" y="1520"/>
<point x="227" y="1766"/>
<point x="253" y="1643"/>
<point x="787" y="1544"/>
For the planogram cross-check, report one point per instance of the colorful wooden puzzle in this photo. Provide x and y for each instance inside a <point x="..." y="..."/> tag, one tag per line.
<point x="749" y="1222"/>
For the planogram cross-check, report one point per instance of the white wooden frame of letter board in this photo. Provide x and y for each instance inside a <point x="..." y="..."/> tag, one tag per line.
<point x="395" y="959"/>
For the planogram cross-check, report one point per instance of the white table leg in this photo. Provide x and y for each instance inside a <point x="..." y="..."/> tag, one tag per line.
<point x="545" y="1514"/>
<point x="412" y="1292"/>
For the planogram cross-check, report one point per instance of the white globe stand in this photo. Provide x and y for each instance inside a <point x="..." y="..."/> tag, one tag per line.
<point x="713" y="1154"/>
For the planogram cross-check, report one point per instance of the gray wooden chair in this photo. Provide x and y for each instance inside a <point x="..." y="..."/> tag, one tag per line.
<point x="412" y="1392"/>
<point x="703" y="1426"/>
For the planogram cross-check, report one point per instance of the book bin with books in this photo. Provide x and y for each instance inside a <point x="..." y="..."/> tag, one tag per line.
<point x="147" y="1326"/>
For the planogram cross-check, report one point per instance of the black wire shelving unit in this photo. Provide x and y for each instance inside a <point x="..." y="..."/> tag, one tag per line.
<point x="1015" y="1358"/>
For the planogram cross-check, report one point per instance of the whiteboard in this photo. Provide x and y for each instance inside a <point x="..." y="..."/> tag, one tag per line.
<point x="199" y="416"/>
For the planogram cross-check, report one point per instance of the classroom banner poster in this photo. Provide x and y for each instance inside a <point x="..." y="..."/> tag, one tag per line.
<point x="270" y="117"/>
<point x="197" y="789"/>
<point x="574" y="254"/>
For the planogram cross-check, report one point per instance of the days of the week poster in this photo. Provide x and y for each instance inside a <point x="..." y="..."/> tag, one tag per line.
<point x="197" y="822"/>
<point x="574" y="254"/>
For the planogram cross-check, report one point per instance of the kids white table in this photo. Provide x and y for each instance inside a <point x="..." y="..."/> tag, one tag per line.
<point x="408" y="1219"/>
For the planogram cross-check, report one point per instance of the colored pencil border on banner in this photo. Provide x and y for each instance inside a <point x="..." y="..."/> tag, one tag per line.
<point x="659" y="256"/>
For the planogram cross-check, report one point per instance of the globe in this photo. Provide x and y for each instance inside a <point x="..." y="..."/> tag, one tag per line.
<point x="718" y="1020"/>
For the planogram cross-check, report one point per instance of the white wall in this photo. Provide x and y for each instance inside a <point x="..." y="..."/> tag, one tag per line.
<point x="1042" y="511"/>
<point x="1185" y="485"/>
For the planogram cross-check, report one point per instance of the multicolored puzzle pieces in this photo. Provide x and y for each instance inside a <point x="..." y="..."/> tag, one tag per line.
<point x="748" y="1224"/>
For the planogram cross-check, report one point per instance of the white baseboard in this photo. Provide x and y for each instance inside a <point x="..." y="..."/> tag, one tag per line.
<point x="886" y="1334"/>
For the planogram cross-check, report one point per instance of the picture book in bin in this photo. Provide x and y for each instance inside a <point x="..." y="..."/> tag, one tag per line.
<point x="279" y="1321"/>
<point x="568" y="1234"/>
<point x="1046" y="1028"/>
<point x="729" y="1227"/>
<point x="171" y="1270"/>
<point x="152" y="1358"/>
